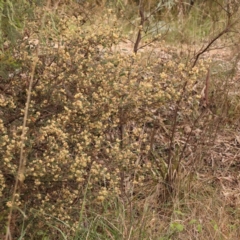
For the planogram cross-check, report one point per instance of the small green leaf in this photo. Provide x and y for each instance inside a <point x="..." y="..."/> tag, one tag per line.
<point x="199" y="228"/>
<point x="177" y="227"/>
<point x="193" y="221"/>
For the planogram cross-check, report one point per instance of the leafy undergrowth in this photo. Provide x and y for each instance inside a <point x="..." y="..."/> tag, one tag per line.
<point x="118" y="145"/>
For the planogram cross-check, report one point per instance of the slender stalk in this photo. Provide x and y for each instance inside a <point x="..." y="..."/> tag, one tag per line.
<point x="22" y="160"/>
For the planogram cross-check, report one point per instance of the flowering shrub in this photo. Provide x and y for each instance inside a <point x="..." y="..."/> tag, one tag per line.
<point x="96" y="118"/>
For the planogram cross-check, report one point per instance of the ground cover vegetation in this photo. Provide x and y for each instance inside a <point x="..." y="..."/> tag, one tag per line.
<point x="119" y="119"/>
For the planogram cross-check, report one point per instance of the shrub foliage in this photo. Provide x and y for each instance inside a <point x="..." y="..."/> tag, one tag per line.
<point x="101" y="123"/>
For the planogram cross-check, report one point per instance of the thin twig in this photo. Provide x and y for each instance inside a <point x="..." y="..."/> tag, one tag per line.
<point x="139" y="36"/>
<point x="224" y="31"/>
<point x="207" y="88"/>
<point x="22" y="160"/>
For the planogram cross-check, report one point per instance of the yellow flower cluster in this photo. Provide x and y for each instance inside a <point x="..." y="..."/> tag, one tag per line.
<point x="94" y="117"/>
